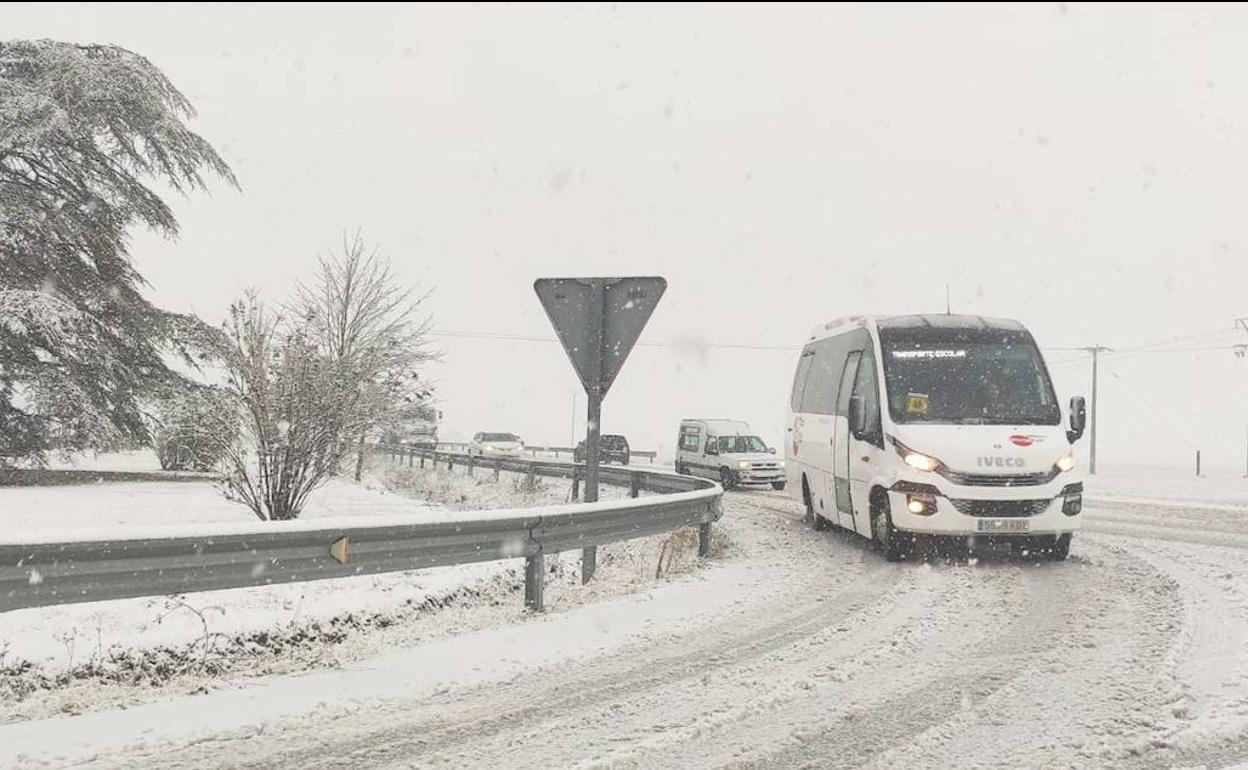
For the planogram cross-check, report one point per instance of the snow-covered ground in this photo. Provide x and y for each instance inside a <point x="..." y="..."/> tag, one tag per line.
<point x="58" y="659"/>
<point x="122" y="505"/>
<point x="1171" y="486"/>
<point x="793" y="648"/>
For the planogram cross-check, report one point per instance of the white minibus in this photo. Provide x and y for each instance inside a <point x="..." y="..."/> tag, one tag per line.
<point x="908" y="426"/>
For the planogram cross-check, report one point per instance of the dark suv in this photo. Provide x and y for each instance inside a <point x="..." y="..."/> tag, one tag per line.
<point x="610" y="449"/>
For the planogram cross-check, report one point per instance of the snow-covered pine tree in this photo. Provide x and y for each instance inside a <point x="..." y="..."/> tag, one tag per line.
<point x="84" y="131"/>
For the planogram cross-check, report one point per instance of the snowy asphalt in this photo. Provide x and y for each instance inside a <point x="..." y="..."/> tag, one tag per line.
<point x="806" y="649"/>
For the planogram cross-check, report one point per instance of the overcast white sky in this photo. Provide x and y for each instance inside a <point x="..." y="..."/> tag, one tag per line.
<point x="1079" y="168"/>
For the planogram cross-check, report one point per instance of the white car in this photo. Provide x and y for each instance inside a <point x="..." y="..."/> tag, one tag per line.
<point x="496" y="445"/>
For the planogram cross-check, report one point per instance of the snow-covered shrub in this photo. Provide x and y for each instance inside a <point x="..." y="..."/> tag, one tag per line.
<point x="300" y="412"/>
<point x="194" y="429"/>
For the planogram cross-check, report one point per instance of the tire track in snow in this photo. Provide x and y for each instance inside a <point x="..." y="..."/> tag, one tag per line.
<point x="1211" y="656"/>
<point x="1092" y="683"/>
<point x="936" y="685"/>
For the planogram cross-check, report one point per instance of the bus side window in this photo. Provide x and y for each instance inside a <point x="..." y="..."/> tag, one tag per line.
<point x="866" y="387"/>
<point x="799" y="379"/>
<point x="847" y="382"/>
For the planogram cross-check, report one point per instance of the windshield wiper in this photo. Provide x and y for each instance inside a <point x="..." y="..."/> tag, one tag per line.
<point x="1012" y="420"/>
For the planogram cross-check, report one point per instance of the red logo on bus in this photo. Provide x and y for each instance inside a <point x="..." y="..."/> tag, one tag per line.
<point x="1019" y="440"/>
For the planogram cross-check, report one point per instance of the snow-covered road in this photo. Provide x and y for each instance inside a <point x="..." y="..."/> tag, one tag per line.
<point x="799" y="649"/>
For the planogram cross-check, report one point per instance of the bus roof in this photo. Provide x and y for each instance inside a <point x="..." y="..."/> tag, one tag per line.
<point x="917" y="321"/>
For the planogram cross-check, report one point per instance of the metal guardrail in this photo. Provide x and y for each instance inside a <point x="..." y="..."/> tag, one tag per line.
<point x="461" y="447"/>
<point x="567" y="450"/>
<point x="209" y="557"/>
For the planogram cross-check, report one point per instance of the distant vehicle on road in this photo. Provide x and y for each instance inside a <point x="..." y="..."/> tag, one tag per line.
<point x="920" y="425"/>
<point x="727" y="451"/>
<point x="611" y="449"/>
<point x="496" y="445"/>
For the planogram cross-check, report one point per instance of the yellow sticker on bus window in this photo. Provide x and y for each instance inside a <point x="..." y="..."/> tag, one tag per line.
<point x="916" y="403"/>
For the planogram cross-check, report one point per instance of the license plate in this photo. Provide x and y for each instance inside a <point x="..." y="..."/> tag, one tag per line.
<point x="1003" y="525"/>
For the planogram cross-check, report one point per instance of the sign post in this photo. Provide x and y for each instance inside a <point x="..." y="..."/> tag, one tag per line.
<point x="598" y="320"/>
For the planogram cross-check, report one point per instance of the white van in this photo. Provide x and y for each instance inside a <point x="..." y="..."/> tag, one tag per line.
<point x="727" y="451"/>
<point x="933" y="425"/>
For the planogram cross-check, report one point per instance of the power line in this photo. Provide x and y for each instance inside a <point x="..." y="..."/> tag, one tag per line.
<point x="1151" y="347"/>
<point x="1184" y="338"/>
<point x="692" y="344"/>
<point x="1177" y="350"/>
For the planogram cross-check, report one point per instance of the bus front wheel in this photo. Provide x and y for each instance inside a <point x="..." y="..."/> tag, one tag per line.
<point x="893" y="542"/>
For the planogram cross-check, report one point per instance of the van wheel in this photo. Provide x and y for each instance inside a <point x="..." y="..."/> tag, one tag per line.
<point x="894" y="543"/>
<point x="681" y="470"/>
<point x="727" y="479"/>
<point x="777" y="485"/>
<point x="1060" y="548"/>
<point x="816" y="522"/>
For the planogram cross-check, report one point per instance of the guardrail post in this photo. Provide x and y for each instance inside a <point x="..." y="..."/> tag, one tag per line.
<point x="498" y="468"/>
<point x="422" y="460"/>
<point x="411" y="457"/>
<point x="634" y="484"/>
<point x="589" y="563"/>
<point x="704" y="540"/>
<point x="530" y="480"/>
<point x="576" y="484"/>
<point x="534" y="574"/>
<point x="450" y="463"/>
<point x="472" y="464"/>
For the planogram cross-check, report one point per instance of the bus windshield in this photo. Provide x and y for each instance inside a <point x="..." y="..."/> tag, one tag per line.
<point x="967" y="378"/>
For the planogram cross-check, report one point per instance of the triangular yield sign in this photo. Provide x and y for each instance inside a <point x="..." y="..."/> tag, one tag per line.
<point x="585" y="311"/>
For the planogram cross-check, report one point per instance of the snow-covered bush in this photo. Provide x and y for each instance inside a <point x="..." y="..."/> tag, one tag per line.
<point x="195" y="428"/>
<point x="300" y="412"/>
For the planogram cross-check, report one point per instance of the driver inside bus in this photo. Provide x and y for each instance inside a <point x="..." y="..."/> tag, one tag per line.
<point x="996" y="396"/>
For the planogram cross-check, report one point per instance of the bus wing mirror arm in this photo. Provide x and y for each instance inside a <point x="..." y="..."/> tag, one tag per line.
<point x="1078" y="419"/>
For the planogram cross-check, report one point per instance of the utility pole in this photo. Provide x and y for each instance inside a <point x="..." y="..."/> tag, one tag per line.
<point x="1096" y="351"/>
<point x="1240" y="351"/>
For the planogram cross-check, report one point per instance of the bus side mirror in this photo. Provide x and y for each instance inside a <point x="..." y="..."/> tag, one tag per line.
<point x="1078" y="419"/>
<point x="857" y="418"/>
<point x="771" y="450"/>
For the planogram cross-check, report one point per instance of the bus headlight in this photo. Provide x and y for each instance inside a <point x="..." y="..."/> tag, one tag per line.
<point x="1066" y="463"/>
<point x="921" y="461"/>
<point x="914" y="459"/>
